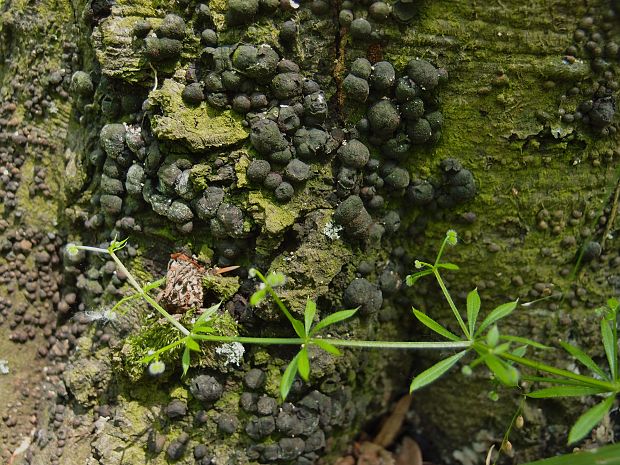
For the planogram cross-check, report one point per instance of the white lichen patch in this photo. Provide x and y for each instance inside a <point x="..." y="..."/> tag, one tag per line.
<point x="332" y="230"/>
<point x="232" y="353"/>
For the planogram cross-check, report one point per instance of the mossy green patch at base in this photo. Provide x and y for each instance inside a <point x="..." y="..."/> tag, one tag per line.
<point x="199" y="128"/>
<point x="224" y="287"/>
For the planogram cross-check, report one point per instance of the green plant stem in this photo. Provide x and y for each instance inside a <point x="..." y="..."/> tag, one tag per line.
<point x="614" y="387"/>
<point x="335" y="342"/>
<point x="275" y="297"/>
<point x="440" y="253"/>
<point x="446" y="294"/>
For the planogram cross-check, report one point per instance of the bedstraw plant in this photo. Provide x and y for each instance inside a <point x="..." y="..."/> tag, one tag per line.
<point x="480" y="341"/>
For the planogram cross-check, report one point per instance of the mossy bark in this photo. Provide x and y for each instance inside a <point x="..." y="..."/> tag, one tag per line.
<point x="545" y="187"/>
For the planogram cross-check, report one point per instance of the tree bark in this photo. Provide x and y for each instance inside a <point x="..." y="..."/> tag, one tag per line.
<point x="528" y="110"/>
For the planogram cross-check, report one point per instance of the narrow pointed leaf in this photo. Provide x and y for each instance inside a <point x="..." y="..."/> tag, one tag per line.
<point x="327" y="347"/>
<point x="434" y="372"/>
<point x="185" y="360"/>
<point x="309" y="313"/>
<point x="558" y="381"/>
<point x="497" y="314"/>
<point x="192" y="345"/>
<point x="565" y="391"/>
<point x="584" y="358"/>
<point x="605" y="455"/>
<point x="473" y="307"/>
<point x="411" y="279"/>
<point x="333" y="318"/>
<point x="203" y="329"/>
<point x="208" y="314"/>
<point x="288" y="377"/>
<point x="298" y="326"/>
<point x="303" y="364"/>
<point x="448" y="266"/>
<point x="506" y="374"/>
<point x="256" y="298"/>
<point x="524" y="340"/>
<point x="433" y="325"/>
<point x="493" y="336"/>
<point x="611" y="346"/>
<point x="589" y="420"/>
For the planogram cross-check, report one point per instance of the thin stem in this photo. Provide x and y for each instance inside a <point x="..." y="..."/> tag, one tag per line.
<point x="276" y="298"/>
<point x="147" y="297"/>
<point x="249" y="340"/>
<point x="440" y="253"/>
<point x="91" y="249"/>
<point x="614" y="387"/>
<point x="446" y="294"/>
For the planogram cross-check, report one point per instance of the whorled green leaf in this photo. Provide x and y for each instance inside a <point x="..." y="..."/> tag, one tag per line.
<point x="326" y="346"/>
<point x="448" y="266"/>
<point x="288" y="377"/>
<point x="493" y="336"/>
<point x="433" y="325"/>
<point x="309" y="313"/>
<point x="298" y="326"/>
<point x="584" y="358"/>
<point x="498" y="313"/>
<point x="611" y="346"/>
<point x="613" y="304"/>
<point x="524" y="340"/>
<point x="434" y="372"/>
<point x="558" y="381"/>
<point x="506" y="374"/>
<point x="333" y="318"/>
<point x="192" y="345"/>
<point x="185" y="360"/>
<point x="117" y="245"/>
<point x="473" y="307"/>
<point x="258" y="296"/>
<point x="411" y="279"/>
<point x="589" y="420"/>
<point x="207" y="314"/>
<point x="565" y="391"/>
<point x="303" y="364"/>
<point x="519" y="351"/>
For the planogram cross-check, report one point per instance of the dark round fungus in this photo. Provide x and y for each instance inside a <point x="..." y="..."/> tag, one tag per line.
<point x="257" y="63"/>
<point x="258" y="100"/>
<point x="241" y="11"/>
<point x="364" y="294"/>
<point x="176" y="409"/>
<point x="355" y="88"/>
<point x="310" y="87"/>
<point x="398" y="147"/>
<point x="384" y="118"/>
<point x="111" y="185"/>
<point x="345" y="17"/>
<point x="200" y="451"/>
<point x="284" y="192"/>
<point x="81" y="84"/>
<point x="296" y="171"/>
<point x="419" y="131"/>
<point x="231" y="218"/>
<point x="591" y="250"/>
<point x="382" y="77"/>
<point x="291" y="448"/>
<point x="272" y="180"/>
<point x="281" y="157"/>
<point x="258" y="170"/>
<point x="353" y="154"/>
<point x="435" y="120"/>
<point x="209" y="38"/>
<point x="218" y="100"/>
<point x="287" y="66"/>
<point x="360" y="29"/>
<point x="310" y="143"/>
<point x="603" y="111"/>
<point x="423" y="74"/>
<point x="288" y="119"/>
<point x="319" y="7"/>
<point x="258" y="428"/>
<point x="192" y="94"/>
<point x="176" y="449"/>
<point x="111" y="204"/>
<point x="287" y="85"/>
<point x="288" y="33"/>
<point x="361" y="68"/>
<point x="420" y="192"/>
<point x="348" y="209"/>
<point x="205" y="388"/>
<point x="391" y="222"/>
<point x="397" y="179"/>
<point x="142" y="28"/>
<point x="213" y="82"/>
<point x="255" y="378"/>
<point x="379" y="11"/>
<point x="135" y="179"/>
<point x="267" y="138"/>
<point x="206" y="206"/>
<point x="172" y="27"/>
<point x="112" y="139"/>
<point x="162" y="49"/>
<point x="179" y="212"/>
<point x="315" y="108"/>
<point x="406" y="90"/>
<point x="266" y="405"/>
<point x="347" y="178"/>
<point x="227" y="424"/>
<point x="241" y="104"/>
<point x="231" y="80"/>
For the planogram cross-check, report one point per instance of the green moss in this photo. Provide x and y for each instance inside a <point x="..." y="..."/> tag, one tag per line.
<point x="224" y="287"/>
<point x="197" y="128"/>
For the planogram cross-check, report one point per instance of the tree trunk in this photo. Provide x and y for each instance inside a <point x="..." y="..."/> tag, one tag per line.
<point x="118" y="120"/>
